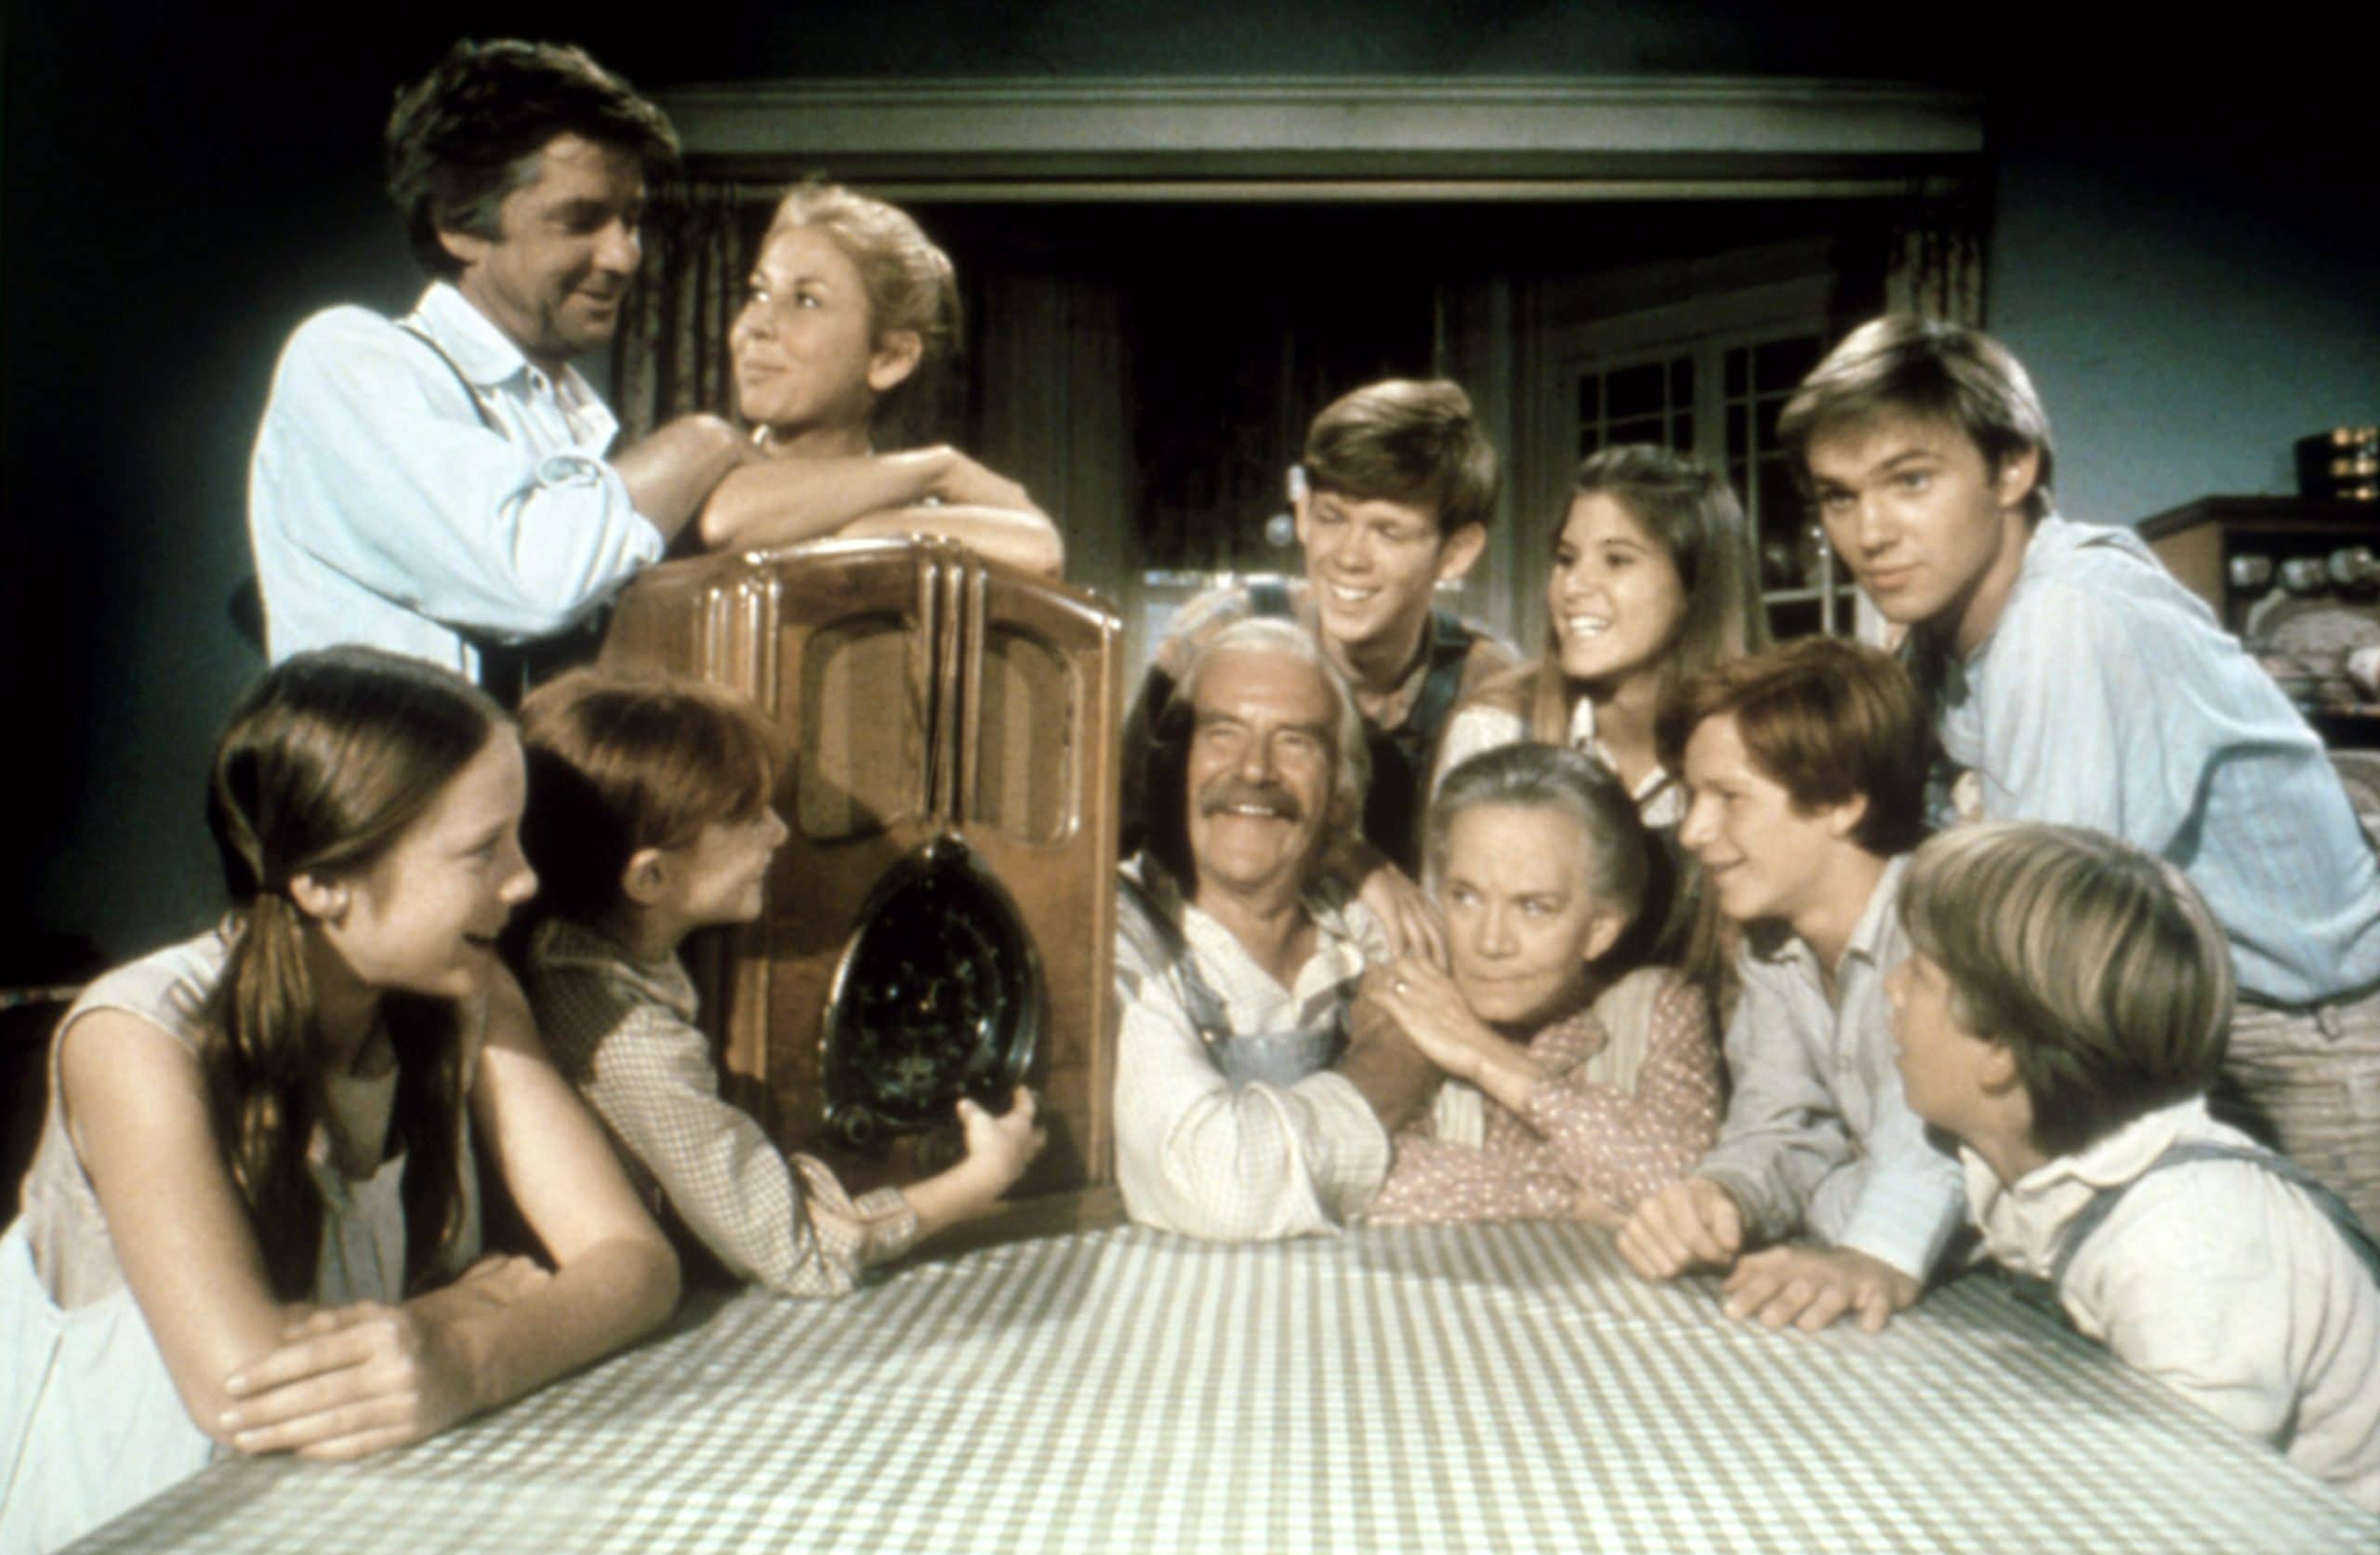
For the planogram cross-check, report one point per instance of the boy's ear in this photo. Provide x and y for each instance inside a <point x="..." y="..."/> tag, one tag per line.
<point x="322" y="898"/>
<point x="1843" y="819"/>
<point x="2017" y="475"/>
<point x="647" y="877"/>
<point x="1459" y="551"/>
<point x="1996" y="1069"/>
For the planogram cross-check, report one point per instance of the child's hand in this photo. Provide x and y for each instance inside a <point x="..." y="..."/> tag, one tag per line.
<point x="349" y="1381"/>
<point x="1002" y="1147"/>
<point x="1812" y="1286"/>
<point x="1685" y="1225"/>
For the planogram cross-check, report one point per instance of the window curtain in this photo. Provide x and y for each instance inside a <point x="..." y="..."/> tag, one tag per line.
<point x="669" y="357"/>
<point x="1934" y="257"/>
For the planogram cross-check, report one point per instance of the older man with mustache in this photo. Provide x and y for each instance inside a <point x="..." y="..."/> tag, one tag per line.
<point x="1254" y="1096"/>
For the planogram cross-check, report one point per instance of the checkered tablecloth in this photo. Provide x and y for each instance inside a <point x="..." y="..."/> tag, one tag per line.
<point x="1494" y="1388"/>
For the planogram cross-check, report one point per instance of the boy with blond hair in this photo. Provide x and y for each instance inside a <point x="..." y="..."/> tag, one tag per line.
<point x="2063" y="1013"/>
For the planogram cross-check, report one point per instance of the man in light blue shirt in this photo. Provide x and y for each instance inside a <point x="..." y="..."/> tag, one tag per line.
<point x="1806" y="766"/>
<point x="441" y="485"/>
<point x="2078" y="682"/>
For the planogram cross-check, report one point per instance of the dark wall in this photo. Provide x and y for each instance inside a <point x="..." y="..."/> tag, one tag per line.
<point x="180" y="190"/>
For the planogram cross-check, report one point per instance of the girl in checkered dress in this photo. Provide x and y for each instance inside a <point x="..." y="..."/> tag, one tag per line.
<point x="650" y="817"/>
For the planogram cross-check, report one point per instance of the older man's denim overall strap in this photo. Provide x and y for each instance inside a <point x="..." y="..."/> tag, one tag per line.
<point x="1258" y="1058"/>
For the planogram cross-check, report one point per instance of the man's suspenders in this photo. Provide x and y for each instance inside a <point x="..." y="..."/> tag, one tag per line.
<point x="509" y="669"/>
<point x="1281" y="1057"/>
<point x="2045" y="1293"/>
<point x="1207" y="1016"/>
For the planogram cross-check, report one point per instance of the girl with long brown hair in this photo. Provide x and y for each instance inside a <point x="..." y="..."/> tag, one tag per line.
<point x="1650" y="583"/>
<point x="251" y="1220"/>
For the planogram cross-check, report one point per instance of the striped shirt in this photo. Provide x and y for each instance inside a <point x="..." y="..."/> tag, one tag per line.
<point x="2107" y="697"/>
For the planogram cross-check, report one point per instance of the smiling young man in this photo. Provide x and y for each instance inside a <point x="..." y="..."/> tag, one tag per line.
<point x="1241" y="1112"/>
<point x="1400" y="486"/>
<point x="2079" y="684"/>
<point x="441" y="485"/>
<point x="1806" y="766"/>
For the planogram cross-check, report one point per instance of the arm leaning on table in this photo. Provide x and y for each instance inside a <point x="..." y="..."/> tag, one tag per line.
<point x="1788" y="1132"/>
<point x="614" y="1277"/>
<point x="263" y="1375"/>
<point x="1784" y="1132"/>
<point x="919" y="490"/>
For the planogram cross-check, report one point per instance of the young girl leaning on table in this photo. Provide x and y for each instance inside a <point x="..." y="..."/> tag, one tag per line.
<point x="251" y="1217"/>
<point x="2062" y="1013"/>
<point x="649" y="818"/>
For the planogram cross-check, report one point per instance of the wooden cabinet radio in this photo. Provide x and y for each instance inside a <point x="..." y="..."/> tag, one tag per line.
<point x="940" y="923"/>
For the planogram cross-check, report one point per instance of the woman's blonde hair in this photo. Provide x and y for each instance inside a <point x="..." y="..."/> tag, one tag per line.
<point x="2098" y="967"/>
<point x="324" y="764"/>
<point x="621" y="762"/>
<point x="910" y="283"/>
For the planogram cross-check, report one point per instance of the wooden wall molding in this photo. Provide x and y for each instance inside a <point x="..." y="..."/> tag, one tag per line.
<point x="1635" y="138"/>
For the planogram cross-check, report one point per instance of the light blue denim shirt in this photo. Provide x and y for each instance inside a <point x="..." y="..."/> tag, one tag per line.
<point x="1819" y="1135"/>
<point x="2107" y="697"/>
<point x="386" y="507"/>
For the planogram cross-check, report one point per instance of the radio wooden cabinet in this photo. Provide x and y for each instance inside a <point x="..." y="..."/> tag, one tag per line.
<point x="939" y="921"/>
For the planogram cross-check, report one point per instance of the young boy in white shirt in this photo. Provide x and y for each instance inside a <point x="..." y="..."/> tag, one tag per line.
<point x="1806" y="765"/>
<point x="2063" y="1013"/>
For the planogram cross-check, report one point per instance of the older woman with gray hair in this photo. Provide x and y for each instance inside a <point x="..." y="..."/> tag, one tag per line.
<point x="1578" y="1081"/>
<point x="849" y="316"/>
